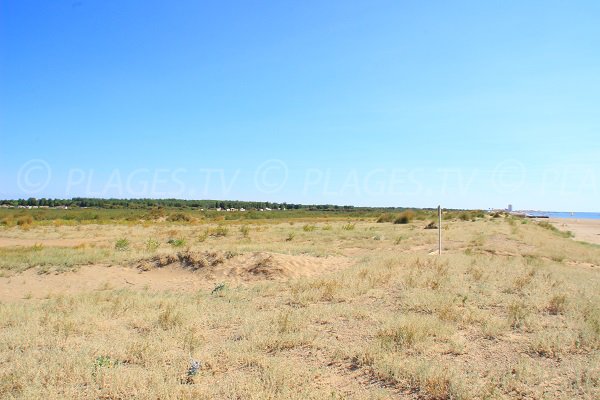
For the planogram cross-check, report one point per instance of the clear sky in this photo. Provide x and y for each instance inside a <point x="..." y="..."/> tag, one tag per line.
<point x="383" y="103"/>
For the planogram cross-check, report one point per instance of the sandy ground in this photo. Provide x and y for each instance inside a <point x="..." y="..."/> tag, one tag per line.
<point x="587" y="230"/>
<point x="237" y="271"/>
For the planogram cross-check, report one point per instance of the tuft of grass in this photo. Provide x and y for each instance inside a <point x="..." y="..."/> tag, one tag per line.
<point x="152" y="245"/>
<point x="309" y="228"/>
<point x="219" y="231"/>
<point x="517" y="314"/>
<point x="245" y="231"/>
<point x="290" y="237"/>
<point x="349" y="226"/>
<point x="169" y="318"/>
<point x="557" y="304"/>
<point x="122" y="244"/>
<point x="407" y="332"/>
<point x="386" y="217"/>
<point x="178" y="242"/>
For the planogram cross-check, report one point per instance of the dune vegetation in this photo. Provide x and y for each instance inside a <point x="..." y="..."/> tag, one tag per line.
<point x="324" y="307"/>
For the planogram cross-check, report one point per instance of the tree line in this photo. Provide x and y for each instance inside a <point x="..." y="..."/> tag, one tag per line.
<point x="83" y="202"/>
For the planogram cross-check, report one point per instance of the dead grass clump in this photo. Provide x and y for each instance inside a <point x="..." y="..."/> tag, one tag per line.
<point x="158" y="261"/>
<point x="404" y="217"/>
<point x="169" y="318"/>
<point x="266" y="267"/>
<point x="195" y="261"/>
<point x="386" y="217"/>
<point x="187" y="259"/>
<point x="407" y="332"/>
<point x="517" y="314"/>
<point x="524" y="280"/>
<point x="219" y="231"/>
<point x="549" y="345"/>
<point x="557" y="304"/>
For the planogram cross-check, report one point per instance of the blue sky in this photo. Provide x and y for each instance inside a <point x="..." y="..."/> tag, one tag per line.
<point x="382" y="103"/>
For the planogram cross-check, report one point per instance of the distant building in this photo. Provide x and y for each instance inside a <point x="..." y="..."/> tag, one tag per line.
<point x="509" y="209"/>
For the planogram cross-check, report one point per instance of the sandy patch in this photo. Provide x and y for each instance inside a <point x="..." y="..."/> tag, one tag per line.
<point x="188" y="273"/>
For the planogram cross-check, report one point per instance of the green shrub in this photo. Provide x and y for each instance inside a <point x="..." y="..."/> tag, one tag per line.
<point x="179" y="242"/>
<point x="122" y="244"/>
<point x="349" y="226"/>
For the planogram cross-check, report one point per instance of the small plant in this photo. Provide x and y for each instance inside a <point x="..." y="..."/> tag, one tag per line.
<point x="180" y="242"/>
<point x="398" y="240"/>
<point x="290" y="237"/>
<point x="103" y="362"/>
<point x="219" y="288"/>
<point x="349" y="226"/>
<point x="219" y="231"/>
<point x="152" y="245"/>
<point x="327" y="227"/>
<point x="245" y="230"/>
<point x="169" y="318"/>
<point x="37" y="247"/>
<point x="122" y="244"/>
<point x="309" y="228"/>
<point x="517" y="314"/>
<point x="192" y="371"/>
<point x="557" y="304"/>
<point x="203" y="236"/>
<point x="229" y="254"/>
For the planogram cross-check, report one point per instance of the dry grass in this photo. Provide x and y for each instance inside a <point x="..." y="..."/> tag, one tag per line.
<point x="515" y="316"/>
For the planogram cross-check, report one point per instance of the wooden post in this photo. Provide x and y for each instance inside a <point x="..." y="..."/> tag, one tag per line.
<point x="439" y="229"/>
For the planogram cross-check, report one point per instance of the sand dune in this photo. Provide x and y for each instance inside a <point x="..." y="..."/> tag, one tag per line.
<point x="171" y="273"/>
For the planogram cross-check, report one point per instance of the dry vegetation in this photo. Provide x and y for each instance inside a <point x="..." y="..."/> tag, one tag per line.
<point x="321" y="309"/>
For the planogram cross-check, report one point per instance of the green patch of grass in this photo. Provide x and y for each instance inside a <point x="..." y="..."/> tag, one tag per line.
<point x="178" y="242"/>
<point x="122" y="244"/>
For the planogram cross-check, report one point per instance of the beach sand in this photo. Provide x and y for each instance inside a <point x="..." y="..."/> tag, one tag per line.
<point x="587" y="230"/>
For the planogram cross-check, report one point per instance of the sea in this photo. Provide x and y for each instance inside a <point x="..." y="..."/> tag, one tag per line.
<point x="562" y="214"/>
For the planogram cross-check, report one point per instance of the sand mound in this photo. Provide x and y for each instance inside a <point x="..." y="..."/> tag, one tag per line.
<point x="184" y="271"/>
<point x="242" y="267"/>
